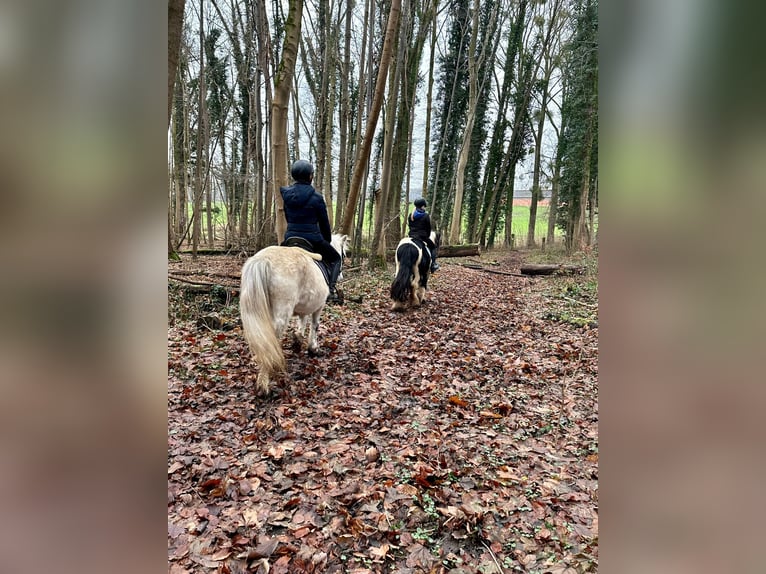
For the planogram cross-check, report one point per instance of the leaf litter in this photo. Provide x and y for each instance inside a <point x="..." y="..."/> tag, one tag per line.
<point x="458" y="437"/>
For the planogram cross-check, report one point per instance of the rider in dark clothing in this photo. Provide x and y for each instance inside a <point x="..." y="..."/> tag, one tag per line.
<point x="306" y="214"/>
<point x="420" y="228"/>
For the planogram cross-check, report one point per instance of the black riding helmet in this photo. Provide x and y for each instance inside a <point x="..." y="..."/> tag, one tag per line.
<point x="302" y="171"/>
<point x="420" y="202"/>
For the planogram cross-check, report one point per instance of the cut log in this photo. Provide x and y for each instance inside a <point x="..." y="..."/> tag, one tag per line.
<point x="481" y="268"/>
<point x="469" y="250"/>
<point x="550" y="269"/>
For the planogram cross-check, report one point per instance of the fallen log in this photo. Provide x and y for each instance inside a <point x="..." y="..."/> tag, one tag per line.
<point x="495" y="271"/>
<point x="469" y="250"/>
<point x="183" y="272"/>
<point x="203" y="286"/>
<point x="550" y="269"/>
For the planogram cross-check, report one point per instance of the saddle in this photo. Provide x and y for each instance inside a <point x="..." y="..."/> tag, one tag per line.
<point x="423" y="246"/>
<point x="306" y="244"/>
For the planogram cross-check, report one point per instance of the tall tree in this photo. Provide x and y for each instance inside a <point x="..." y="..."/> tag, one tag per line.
<point x="579" y="171"/>
<point x="175" y="28"/>
<point x="279" y="109"/>
<point x="475" y="64"/>
<point x="344" y="113"/>
<point x="363" y="157"/>
<point x="452" y="95"/>
<point x="203" y="131"/>
<point x="501" y="153"/>
<point x="554" y="23"/>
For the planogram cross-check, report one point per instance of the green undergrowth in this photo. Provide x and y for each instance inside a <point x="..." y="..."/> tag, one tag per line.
<point x="570" y="298"/>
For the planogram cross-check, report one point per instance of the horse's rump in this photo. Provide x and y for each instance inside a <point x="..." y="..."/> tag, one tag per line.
<point x="277" y="283"/>
<point x="408" y="258"/>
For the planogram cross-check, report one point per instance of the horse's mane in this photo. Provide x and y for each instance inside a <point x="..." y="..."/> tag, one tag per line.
<point x="340" y="243"/>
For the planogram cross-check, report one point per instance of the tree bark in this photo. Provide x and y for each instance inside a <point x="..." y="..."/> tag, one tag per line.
<point x="344" y="113"/>
<point x="470" y="250"/>
<point x="175" y="31"/>
<point x="363" y="157"/>
<point x="548" y="70"/>
<point x="201" y="140"/>
<point x="280" y="111"/>
<point x="429" y="103"/>
<point x="550" y="269"/>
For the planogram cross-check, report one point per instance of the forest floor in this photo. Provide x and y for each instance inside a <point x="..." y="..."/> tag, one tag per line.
<point x="460" y="437"/>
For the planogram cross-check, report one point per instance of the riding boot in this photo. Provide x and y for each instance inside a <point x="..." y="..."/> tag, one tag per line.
<point x="434" y="265"/>
<point x="334" y="270"/>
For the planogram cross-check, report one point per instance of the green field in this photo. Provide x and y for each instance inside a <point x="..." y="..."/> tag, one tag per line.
<point x="520" y="223"/>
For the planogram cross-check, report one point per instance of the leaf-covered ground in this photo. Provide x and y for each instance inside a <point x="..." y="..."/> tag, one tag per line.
<point x="458" y="437"/>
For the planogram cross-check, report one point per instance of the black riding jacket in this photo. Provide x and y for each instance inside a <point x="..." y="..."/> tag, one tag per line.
<point x="420" y="228"/>
<point x="306" y="213"/>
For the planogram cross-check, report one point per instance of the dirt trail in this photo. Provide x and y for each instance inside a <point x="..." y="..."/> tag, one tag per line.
<point x="459" y="435"/>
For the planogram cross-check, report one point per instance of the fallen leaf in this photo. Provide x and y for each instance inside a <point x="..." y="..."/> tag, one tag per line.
<point x="455" y="400"/>
<point x="221" y="554"/>
<point x="210" y="484"/>
<point x="379" y="551"/>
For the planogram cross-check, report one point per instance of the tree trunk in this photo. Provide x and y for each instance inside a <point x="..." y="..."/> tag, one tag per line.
<point x="550" y="269"/>
<point x="280" y="111"/>
<point x="201" y="141"/>
<point x="175" y="32"/>
<point x="378" y="250"/>
<point x="344" y="113"/>
<point x="265" y="225"/>
<point x="548" y="70"/>
<point x="429" y="101"/>
<point x="465" y="148"/>
<point x="364" y="101"/>
<point x="363" y="157"/>
<point x="470" y="250"/>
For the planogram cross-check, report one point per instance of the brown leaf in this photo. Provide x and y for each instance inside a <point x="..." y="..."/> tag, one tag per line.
<point x="419" y="556"/>
<point x="379" y="551"/>
<point x="424" y="478"/>
<point x="265" y="549"/>
<point x="221" y="554"/>
<point x="210" y="484"/>
<point x="175" y="466"/>
<point x="455" y="400"/>
<point x="371" y="454"/>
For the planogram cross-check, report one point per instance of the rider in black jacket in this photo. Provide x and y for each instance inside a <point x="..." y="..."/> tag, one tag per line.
<point x="420" y="228"/>
<point x="306" y="214"/>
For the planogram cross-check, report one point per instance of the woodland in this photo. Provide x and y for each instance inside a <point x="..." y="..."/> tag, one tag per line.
<point x="460" y="436"/>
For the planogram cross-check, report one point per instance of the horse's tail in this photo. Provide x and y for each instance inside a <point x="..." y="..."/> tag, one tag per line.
<point x="406" y="260"/>
<point x="255" y="310"/>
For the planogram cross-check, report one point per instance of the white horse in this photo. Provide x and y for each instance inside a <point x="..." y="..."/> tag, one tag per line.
<point x="413" y="266"/>
<point x="279" y="283"/>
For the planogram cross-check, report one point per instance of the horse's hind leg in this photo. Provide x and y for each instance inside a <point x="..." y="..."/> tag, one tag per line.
<point x="299" y="334"/>
<point x="313" y="343"/>
<point x="422" y="288"/>
<point x="262" y="383"/>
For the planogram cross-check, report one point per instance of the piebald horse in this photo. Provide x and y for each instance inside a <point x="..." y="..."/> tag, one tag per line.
<point x="279" y="283"/>
<point x="413" y="267"/>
